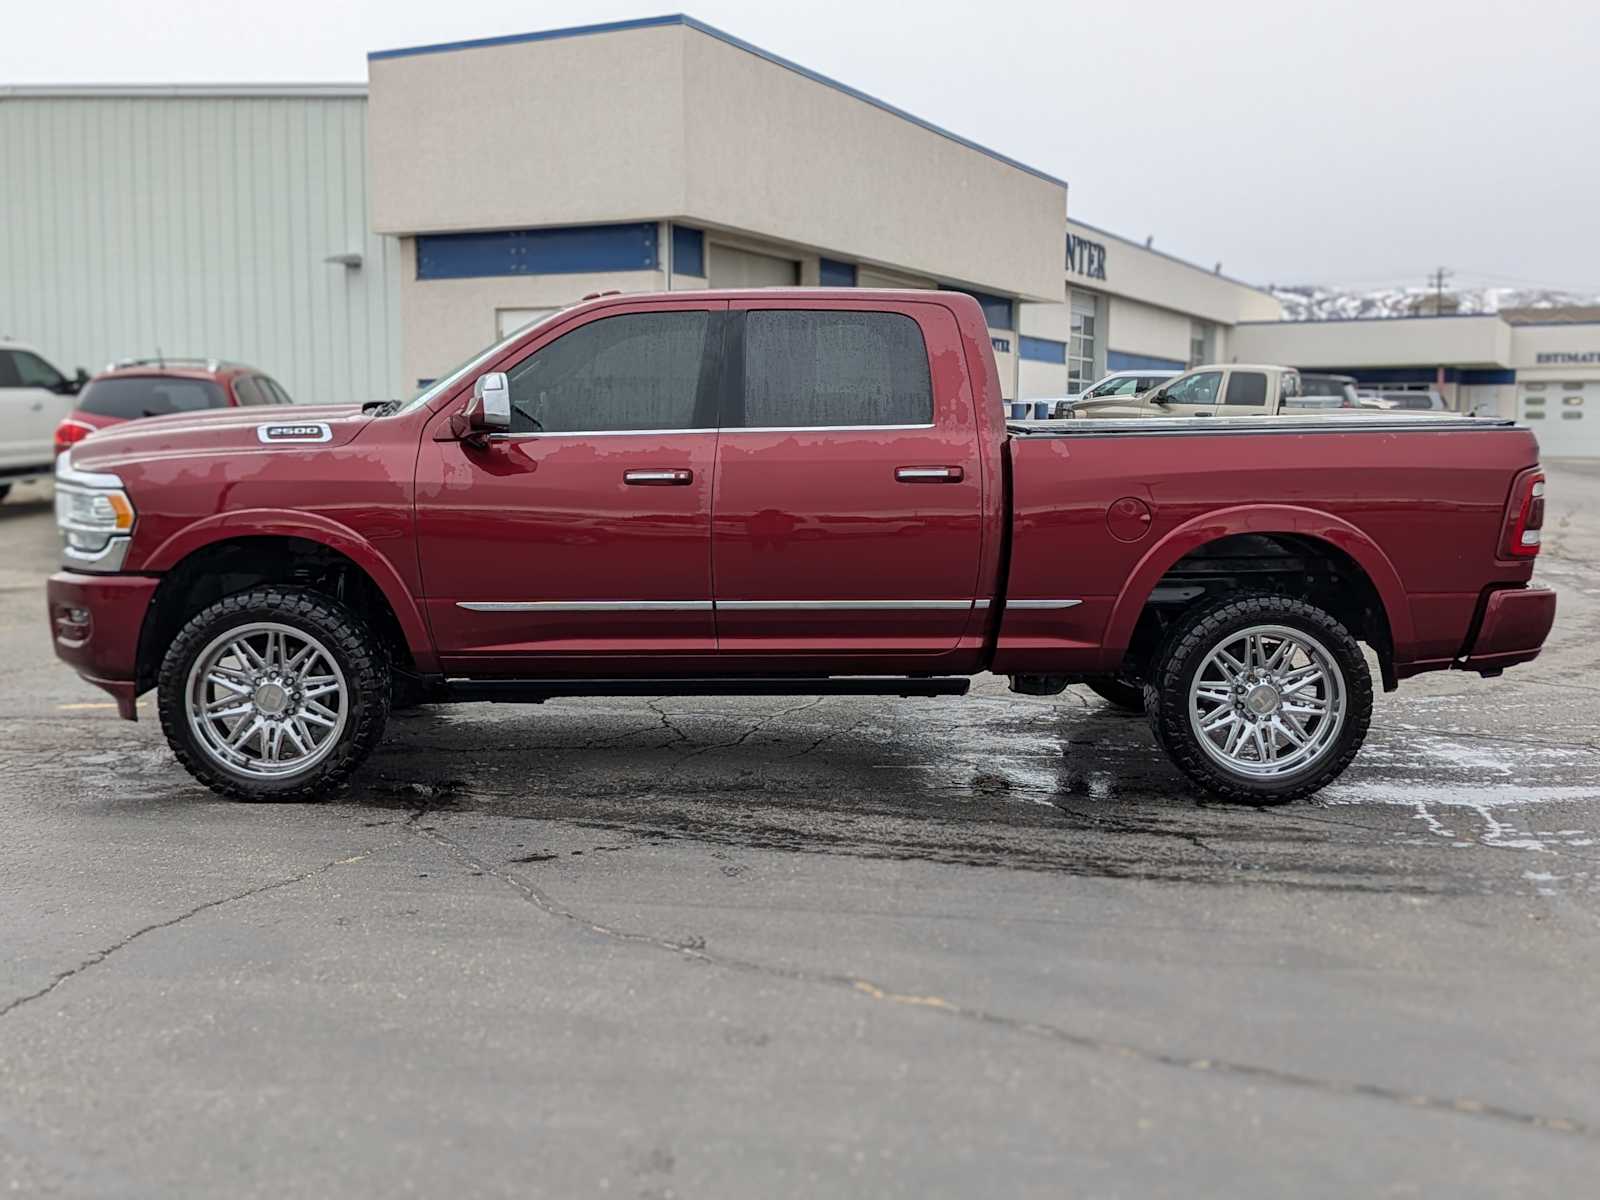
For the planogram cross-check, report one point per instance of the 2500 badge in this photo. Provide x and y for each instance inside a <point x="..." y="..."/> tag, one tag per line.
<point x="314" y="432"/>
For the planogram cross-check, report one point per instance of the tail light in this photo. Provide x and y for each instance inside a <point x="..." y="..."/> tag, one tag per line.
<point x="1525" y="516"/>
<point x="69" y="433"/>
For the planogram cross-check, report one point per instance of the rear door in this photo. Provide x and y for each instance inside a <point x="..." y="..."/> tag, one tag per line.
<point x="1245" y="394"/>
<point x="848" y="492"/>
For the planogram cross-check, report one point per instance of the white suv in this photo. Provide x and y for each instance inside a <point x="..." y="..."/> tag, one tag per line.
<point x="34" y="397"/>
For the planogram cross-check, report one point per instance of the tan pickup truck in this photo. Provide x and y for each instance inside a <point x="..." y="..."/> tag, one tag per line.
<point x="1226" y="389"/>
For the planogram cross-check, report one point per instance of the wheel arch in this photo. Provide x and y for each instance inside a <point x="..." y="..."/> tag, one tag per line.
<point x="262" y="546"/>
<point x="1281" y="520"/>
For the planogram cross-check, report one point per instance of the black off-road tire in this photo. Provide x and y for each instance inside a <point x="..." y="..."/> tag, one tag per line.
<point x="1193" y="637"/>
<point x="361" y="657"/>
<point x="1119" y="692"/>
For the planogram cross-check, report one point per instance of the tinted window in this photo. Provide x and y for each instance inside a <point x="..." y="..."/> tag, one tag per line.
<point x="129" y="397"/>
<point x="1247" y="387"/>
<point x="278" y="394"/>
<point x="632" y="372"/>
<point x="810" y="368"/>
<point x="33" y="371"/>
<point x="247" y="393"/>
<point x="1146" y="382"/>
<point x="8" y="370"/>
<point x="1195" y="389"/>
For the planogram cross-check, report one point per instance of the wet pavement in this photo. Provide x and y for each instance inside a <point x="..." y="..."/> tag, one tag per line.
<point x="800" y="947"/>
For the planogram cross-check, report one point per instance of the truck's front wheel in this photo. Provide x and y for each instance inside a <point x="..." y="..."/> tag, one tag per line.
<point x="274" y="694"/>
<point x="1261" y="699"/>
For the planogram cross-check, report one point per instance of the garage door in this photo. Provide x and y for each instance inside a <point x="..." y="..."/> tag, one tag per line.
<point x="1565" y="415"/>
<point x="732" y="268"/>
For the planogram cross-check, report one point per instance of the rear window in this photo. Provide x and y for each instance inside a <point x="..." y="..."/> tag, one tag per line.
<point x="807" y="368"/>
<point x="130" y="397"/>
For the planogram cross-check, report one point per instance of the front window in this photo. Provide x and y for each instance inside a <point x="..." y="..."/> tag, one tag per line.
<point x="628" y="373"/>
<point x="1195" y="389"/>
<point x="1248" y="388"/>
<point x="33" y="371"/>
<point x="129" y="397"/>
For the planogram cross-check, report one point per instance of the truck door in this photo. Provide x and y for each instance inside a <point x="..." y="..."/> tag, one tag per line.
<point x="1191" y="395"/>
<point x="583" y="535"/>
<point x="1245" y="394"/>
<point x="848" y="492"/>
<point x="32" y="403"/>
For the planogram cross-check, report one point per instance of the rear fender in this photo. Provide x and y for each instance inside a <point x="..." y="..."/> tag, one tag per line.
<point x="1260" y="519"/>
<point x="311" y="527"/>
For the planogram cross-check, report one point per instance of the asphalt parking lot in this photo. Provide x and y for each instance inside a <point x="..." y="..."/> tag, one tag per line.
<point x="801" y="947"/>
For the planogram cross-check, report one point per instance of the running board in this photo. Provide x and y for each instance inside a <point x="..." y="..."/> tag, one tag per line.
<point x="537" y="691"/>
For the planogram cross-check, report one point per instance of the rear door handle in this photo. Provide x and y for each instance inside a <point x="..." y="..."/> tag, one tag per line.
<point x="666" y="477"/>
<point x="929" y="474"/>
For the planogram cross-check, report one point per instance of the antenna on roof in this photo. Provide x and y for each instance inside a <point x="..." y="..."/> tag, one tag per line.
<point x="160" y="361"/>
<point x="1150" y="240"/>
<point x="1217" y="270"/>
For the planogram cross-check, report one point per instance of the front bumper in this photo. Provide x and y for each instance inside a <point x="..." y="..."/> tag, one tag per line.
<point x="95" y="622"/>
<point x="1515" y="623"/>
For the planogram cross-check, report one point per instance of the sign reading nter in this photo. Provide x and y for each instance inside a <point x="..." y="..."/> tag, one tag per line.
<point x="1086" y="257"/>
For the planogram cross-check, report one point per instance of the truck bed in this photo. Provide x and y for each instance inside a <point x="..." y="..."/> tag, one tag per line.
<point x="1105" y="509"/>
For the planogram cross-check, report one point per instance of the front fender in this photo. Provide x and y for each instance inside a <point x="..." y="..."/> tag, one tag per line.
<point x="1260" y="519"/>
<point x="311" y="527"/>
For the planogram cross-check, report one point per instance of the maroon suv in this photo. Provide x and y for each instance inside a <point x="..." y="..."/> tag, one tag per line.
<point x="159" y="387"/>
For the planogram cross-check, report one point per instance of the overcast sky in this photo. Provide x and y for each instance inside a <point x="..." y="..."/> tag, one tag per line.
<point x="1358" y="143"/>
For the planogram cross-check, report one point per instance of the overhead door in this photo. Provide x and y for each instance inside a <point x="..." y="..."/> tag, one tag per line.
<point x="1564" y="415"/>
<point x="731" y="268"/>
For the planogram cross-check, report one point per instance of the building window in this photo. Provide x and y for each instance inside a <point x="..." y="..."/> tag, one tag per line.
<point x="1085" y="337"/>
<point x="832" y="273"/>
<point x="688" y="251"/>
<point x="1202" y="342"/>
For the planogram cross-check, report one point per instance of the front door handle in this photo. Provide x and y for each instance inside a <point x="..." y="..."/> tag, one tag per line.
<point x="665" y="477"/>
<point x="929" y="474"/>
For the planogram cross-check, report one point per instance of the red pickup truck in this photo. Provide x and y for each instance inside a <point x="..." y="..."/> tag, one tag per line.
<point x="782" y="492"/>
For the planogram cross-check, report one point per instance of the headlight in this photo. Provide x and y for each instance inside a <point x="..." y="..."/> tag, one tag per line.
<point x="95" y="517"/>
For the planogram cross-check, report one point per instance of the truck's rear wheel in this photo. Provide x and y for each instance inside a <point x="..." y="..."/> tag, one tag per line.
<point x="274" y="694"/>
<point x="1261" y="699"/>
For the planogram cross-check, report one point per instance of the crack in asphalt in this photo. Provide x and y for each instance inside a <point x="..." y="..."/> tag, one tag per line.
<point x="696" y="950"/>
<point x="755" y="728"/>
<point x="100" y="956"/>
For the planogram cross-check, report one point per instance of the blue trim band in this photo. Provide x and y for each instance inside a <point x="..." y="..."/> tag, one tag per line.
<point x="738" y="44"/>
<point x="1479" y="376"/>
<point x="560" y="251"/>
<point x="1044" y="350"/>
<point x="833" y="273"/>
<point x="1119" y="360"/>
<point x="997" y="310"/>
<point x="688" y="251"/>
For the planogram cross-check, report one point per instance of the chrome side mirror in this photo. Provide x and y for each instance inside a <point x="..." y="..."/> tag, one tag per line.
<point x="490" y="408"/>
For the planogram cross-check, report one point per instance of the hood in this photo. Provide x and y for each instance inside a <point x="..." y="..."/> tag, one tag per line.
<point x="222" y="431"/>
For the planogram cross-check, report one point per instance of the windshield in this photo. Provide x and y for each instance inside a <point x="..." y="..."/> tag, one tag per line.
<point x="454" y="376"/>
<point x="129" y="397"/>
<point x="1126" y="385"/>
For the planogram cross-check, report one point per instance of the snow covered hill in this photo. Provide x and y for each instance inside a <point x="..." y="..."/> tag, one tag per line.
<point x="1310" y="302"/>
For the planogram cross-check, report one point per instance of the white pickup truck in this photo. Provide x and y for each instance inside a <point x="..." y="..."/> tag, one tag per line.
<point x="34" y="397"/>
<point x="1230" y="389"/>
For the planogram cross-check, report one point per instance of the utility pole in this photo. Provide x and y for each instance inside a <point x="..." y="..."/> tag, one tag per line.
<point x="1437" y="279"/>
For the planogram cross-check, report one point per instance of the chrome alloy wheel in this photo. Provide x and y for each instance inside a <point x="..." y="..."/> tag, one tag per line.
<point x="267" y="700"/>
<point x="1267" y="701"/>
